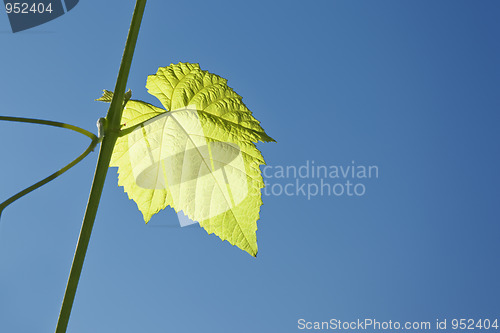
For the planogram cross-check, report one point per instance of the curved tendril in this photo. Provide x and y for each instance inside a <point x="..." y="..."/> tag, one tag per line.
<point x="90" y="148"/>
<point x="92" y="136"/>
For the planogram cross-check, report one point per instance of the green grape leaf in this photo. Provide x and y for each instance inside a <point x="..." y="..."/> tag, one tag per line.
<point x="197" y="155"/>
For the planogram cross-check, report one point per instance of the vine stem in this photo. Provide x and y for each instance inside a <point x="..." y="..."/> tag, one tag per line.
<point x="110" y="136"/>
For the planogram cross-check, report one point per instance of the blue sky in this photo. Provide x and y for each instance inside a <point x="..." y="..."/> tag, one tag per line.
<point x="408" y="86"/>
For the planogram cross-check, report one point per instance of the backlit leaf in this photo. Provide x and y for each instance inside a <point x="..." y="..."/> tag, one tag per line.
<point x="197" y="154"/>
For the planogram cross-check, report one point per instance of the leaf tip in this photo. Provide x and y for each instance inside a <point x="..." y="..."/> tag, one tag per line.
<point x="106" y="97"/>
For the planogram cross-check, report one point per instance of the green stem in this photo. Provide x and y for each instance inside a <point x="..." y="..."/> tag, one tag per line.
<point x="113" y="122"/>
<point x="56" y="174"/>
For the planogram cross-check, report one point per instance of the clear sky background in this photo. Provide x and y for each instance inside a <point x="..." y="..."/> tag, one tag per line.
<point x="409" y="86"/>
